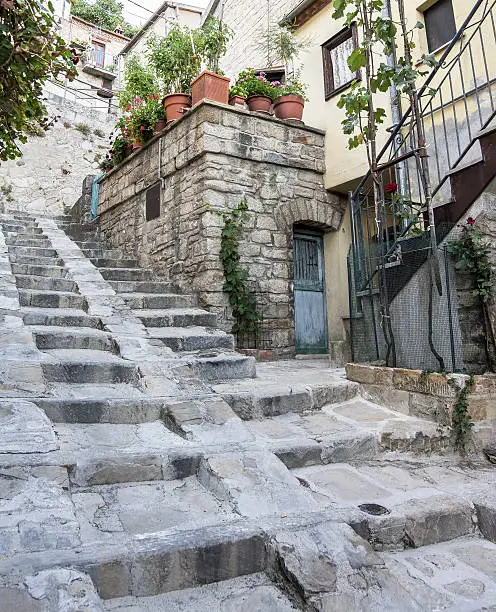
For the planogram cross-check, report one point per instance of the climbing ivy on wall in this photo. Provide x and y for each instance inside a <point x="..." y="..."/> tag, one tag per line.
<point x="241" y="298"/>
<point x="461" y="421"/>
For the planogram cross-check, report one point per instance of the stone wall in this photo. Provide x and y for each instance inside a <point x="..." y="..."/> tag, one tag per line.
<point x="53" y="165"/>
<point x="249" y="25"/>
<point x="209" y="161"/>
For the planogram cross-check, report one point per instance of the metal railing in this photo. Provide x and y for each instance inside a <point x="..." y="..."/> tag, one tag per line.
<point x="99" y="59"/>
<point x="457" y="103"/>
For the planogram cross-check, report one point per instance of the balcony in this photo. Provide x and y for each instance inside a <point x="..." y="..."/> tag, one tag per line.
<point x="99" y="64"/>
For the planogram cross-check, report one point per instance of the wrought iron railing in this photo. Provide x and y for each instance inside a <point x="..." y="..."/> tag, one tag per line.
<point x="457" y="102"/>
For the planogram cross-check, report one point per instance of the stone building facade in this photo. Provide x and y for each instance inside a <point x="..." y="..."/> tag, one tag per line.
<point x="208" y="161"/>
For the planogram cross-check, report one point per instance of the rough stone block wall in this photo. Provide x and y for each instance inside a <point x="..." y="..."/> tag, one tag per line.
<point x="249" y="23"/>
<point x="53" y="165"/>
<point x="209" y="161"/>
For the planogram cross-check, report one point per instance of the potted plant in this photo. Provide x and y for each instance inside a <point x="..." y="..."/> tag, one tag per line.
<point x="141" y="122"/>
<point x="176" y="64"/>
<point x="160" y="117"/>
<point x="119" y="149"/>
<point x="260" y="91"/>
<point x="211" y="44"/>
<point x="237" y="96"/>
<point x="106" y="164"/>
<point x="290" y="100"/>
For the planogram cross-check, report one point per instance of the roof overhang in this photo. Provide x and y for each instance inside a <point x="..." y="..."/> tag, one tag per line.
<point x="303" y="12"/>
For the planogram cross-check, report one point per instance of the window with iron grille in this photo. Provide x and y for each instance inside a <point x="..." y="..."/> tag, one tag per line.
<point x="335" y="53"/>
<point x="440" y="24"/>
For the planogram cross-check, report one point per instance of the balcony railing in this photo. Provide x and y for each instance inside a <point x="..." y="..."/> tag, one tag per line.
<point x="99" y="64"/>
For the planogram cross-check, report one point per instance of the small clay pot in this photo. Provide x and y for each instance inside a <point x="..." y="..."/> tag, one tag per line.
<point x="259" y="104"/>
<point x="237" y="101"/>
<point x="159" y="126"/>
<point x="289" y="107"/>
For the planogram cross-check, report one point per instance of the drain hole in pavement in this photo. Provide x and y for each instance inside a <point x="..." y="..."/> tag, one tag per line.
<point x="374" y="509"/>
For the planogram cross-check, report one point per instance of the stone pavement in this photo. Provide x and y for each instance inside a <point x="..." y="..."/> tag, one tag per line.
<point x="148" y="469"/>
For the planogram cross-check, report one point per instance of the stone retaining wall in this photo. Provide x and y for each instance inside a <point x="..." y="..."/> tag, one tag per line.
<point x="426" y="395"/>
<point x="209" y="161"/>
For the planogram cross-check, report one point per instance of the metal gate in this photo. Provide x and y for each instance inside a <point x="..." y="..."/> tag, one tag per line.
<point x="309" y="294"/>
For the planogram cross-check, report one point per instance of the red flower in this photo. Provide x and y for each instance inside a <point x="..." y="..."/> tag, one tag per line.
<point x="142" y="128"/>
<point x="471" y="221"/>
<point x="391" y="187"/>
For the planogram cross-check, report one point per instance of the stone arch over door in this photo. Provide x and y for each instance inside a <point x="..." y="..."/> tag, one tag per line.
<point x="326" y="216"/>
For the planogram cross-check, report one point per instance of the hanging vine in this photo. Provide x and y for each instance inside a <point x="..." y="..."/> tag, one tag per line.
<point x="461" y="421"/>
<point x="241" y="298"/>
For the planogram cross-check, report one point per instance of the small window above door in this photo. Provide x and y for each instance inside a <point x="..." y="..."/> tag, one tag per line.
<point x="440" y="24"/>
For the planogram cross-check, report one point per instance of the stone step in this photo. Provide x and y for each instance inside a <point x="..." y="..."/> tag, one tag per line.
<point x="399" y="508"/>
<point x="21" y="228"/>
<point x="251" y="593"/>
<point x="90" y="244"/>
<point x="32" y="251"/>
<point x="72" y="338"/>
<point x="115" y="263"/>
<point x="224" y="367"/>
<point x="33" y="270"/>
<point x="124" y="286"/>
<point x="59" y="317"/>
<point x="36" y="236"/>
<point x="126" y="274"/>
<point x="144" y="301"/>
<point x="45" y="283"/>
<point x="188" y="339"/>
<point x="101" y="253"/>
<point x="180" y="317"/>
<point x="28" y="242"/>
<point x="87" y="366"/>
<point x="51" y="299"/>
<point x="122" y="411"/>
<point x="35" y="260"/>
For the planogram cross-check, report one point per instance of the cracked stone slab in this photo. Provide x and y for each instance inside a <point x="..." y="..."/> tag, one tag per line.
<point x="25" y="428"/>
<point x="63" y="590"/>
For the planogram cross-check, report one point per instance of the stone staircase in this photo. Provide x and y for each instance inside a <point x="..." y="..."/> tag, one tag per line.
<point x="132" y="483"/>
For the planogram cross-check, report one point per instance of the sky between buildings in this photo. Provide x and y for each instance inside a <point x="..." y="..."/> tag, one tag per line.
<point x="137" y="15"/>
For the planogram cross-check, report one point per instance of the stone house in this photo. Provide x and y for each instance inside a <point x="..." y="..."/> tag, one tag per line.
<point x="296" y="181"/>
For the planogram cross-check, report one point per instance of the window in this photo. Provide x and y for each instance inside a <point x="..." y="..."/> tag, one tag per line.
<point x="99" y="51"/>
<point x="335" y="53"/>
<point x="106" y="84"/>
<point x="439" y="24"/>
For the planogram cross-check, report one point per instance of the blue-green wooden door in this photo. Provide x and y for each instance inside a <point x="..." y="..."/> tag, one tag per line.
<point x="309" y="294"/>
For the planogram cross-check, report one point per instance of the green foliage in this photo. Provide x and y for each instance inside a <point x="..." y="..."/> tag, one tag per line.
<point x="471" y="254"/>
<point x="106" y="163"/>
<point x="241" y="298"/>
<point x="238" y="90"/>
<point x="140" y="81"/>
<point x="119" y="149"/>
<point x="174" y="58"/>
<point x="377" y="37"/>
<point x="98" y="132"/>
<point x="280" y="44"/>
<point x="461" y="421"/>
<point x="293" y="87"/>
<point x="104" y="13"/>
<point x="212" y="42"/>
<point x="84" y="128"/>
<point x="31" y="51"/>
<point x="256" y="84"/>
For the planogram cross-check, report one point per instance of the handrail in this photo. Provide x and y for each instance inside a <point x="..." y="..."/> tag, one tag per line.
<point x="422" y="90"/>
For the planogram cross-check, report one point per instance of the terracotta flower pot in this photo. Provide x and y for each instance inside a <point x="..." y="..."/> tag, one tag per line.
<point x="129" y="149"/>
<point x="159" y="126"/>
<point x="237" y="101"/>
<point x="259" y="104"/>
<point x="175" y="104"/>
<point x="211" y="86"/>
<point x="137" y="144"/>
<point x="289" y="107"/>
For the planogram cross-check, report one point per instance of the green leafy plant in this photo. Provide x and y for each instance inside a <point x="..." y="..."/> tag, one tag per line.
<point x="106" y="163"/>
<point x="175" y="59"/>
<point x="119" y="149"/>
<point x="238" y="90"/>
<point x="83" y="128"/>
<point x="98" y="132"/>
<point x="257" y="84"/>
<point x="461" y="421"/>
<point x="104" y="13"/>
<point x="212" y="41"/>
<point x="293" y="87"/>
<point x="470" y="251"/>
<point x="279" y="44"/>
<point x="241" y="298"/>
<point x="31" y="51"/>
<point x="140" y="81"/>
<point x="142" y="116"/>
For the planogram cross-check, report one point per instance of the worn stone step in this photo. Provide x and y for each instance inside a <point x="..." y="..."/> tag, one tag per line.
<point x="35" y="260"/>
<point x="114" y="263"/>
<point x="28" y="242"/>
<point x="21" y="228"/>
<point x="252" y="593"/>
<point x="32" y="251"/>
<point x="180" y="317"/>
<point x="59" y="317"/>
<point x="126" y="274"/>
<point x="45" y="283"/>
<point x="123" y="411"/>
<point x="90" y="244"/>
<point x="224" y="367"/>
<point x="33" y="270"/>
<point x="101" y="253"/>
<point x="156" y="300"/>
<point x="51" y="299"/>
<point x="87" y="366"/>
<point x="36" y="236"/>
<point x="72" y="338"/>
<point x="124" y="286"/>
<point x="187" y="339"/>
